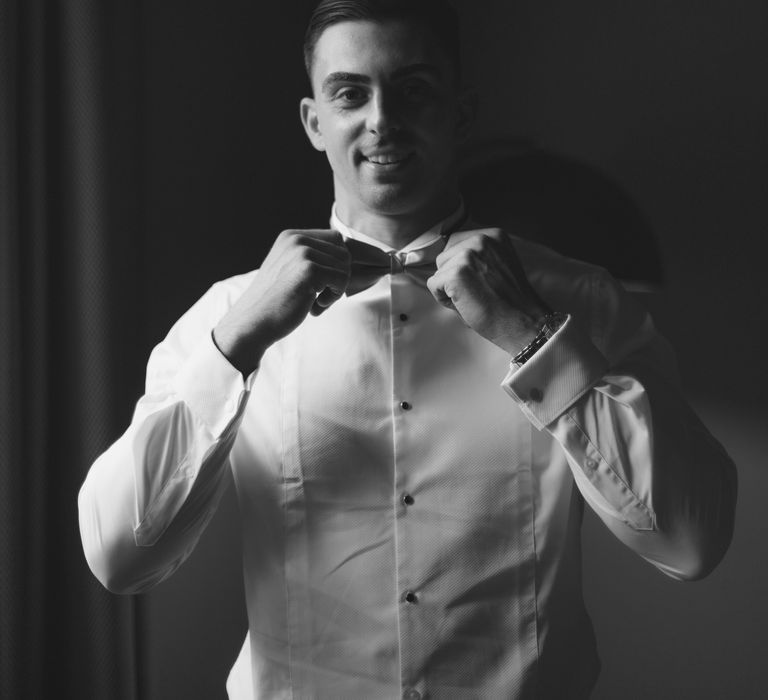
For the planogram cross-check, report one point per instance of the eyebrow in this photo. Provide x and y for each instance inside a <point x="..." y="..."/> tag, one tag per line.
<point x="430" y="68"/>
<point x="344" y="77"/>
<point x="341" y="77"/>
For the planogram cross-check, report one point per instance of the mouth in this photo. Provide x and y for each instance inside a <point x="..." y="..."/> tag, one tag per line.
<point x="387" y="160"/>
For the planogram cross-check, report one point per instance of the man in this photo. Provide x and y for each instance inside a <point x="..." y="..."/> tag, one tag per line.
<point x="410" y="528"/>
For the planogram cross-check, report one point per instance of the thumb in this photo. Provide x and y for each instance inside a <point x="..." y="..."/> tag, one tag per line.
<point x="327" y="297"/>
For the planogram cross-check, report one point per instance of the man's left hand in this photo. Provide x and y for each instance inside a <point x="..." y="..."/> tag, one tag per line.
<point x="480" y="276"/>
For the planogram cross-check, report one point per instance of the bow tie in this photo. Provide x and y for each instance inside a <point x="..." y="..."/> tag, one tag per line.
<point x="370" y="264"/>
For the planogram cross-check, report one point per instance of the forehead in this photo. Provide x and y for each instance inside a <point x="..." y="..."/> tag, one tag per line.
<point x="376" y="48"/>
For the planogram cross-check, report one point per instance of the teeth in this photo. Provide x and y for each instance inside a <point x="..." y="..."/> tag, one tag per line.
<point x="386" y="159"/>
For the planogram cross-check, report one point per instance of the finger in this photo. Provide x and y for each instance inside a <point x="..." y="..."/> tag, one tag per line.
<point x="459" y="238"/>
<point x="516" y="265"/>
<point x="322" y="276"/>
<point x="474" y="235"/>
<point x="326" y="234"/>
<point x="460" y="262"/>
<point x="324" y="300"/>
<point x="326" y="259"/>
<point x="466" y="240"/>
<point x="489" y="251"/>
<point x="485" y="274"/>
<point x="517" y="271"/>
<point x="327" y="297"/>
<point x="435" y="284"/>
<point x="333" y="245"/>
<point x="310" y="237"/>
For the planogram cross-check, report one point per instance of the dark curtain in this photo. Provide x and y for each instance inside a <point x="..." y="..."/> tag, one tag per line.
<point x="68" y="262"/>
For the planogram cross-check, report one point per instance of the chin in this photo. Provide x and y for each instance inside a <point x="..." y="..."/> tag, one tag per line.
<point x="394" y="200"/>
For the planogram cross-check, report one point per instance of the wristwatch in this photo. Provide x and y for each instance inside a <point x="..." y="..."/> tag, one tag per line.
<point x="550" y="324"/>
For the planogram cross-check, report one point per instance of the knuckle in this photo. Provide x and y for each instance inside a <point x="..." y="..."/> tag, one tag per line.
<point x="450" y="291"/>
<point x="304" y="253"/>
<point x="467" y="256"/>
<point x="486" y="243"/>
<point x="305" y="267"/>
<point x="463" y="274"/>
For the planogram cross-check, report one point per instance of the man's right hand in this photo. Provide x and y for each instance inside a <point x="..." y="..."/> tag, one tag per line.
<point x="304" y="272"/>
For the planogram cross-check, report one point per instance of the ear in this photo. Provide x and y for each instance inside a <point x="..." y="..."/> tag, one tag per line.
<point x="467" y="113"/>
<point x="311" y="123"/>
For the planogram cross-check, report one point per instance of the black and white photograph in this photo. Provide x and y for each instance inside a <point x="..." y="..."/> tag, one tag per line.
<point x="383" y="350"/>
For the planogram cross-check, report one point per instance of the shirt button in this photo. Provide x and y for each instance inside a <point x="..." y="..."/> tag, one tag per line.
<point x="591" y="463"/>
<point x="411" y="694"/>
<point x="535" y="394"/>
<point x="405" y="406"/>
<point x="403" y="317"/>
<point x="410" y="597"/>
<point x="407" y="499"/>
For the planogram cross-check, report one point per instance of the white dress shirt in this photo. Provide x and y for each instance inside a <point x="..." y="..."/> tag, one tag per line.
<point x="411" y="503"/>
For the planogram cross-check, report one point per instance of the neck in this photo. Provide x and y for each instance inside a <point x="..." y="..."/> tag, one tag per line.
<point x="396" y="230"/>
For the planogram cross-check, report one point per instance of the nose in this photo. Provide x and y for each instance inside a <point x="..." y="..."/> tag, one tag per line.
<point x="383" y="114"/>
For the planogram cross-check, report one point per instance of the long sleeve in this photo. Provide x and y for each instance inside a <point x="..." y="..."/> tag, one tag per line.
<point x="147" y="499"/>
<point x="605" y="387"/>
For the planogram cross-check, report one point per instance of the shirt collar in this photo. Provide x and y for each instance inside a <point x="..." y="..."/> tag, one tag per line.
<point x="421" y="241"/>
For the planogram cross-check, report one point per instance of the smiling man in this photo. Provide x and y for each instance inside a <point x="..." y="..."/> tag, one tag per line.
<point x="388" y="113"/>
<point x="415" y="410"/>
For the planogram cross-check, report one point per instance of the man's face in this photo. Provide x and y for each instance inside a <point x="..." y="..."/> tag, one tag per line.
<point x="387" y="112"/>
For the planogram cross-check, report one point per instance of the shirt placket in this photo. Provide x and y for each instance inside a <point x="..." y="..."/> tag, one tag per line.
<point x="404" y="308"/>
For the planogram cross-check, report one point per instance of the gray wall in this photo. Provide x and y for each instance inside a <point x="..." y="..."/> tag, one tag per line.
<point x="667" y="99"/>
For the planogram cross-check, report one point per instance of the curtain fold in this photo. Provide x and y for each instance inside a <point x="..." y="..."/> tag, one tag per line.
<point x="69" y="255"/>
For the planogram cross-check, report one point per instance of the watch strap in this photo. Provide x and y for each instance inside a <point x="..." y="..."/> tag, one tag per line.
<point x="549" y="325"/>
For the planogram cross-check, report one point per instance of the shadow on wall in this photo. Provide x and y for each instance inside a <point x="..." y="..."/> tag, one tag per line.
<point x="565" y="205"/>
<point x="657" y="638"/>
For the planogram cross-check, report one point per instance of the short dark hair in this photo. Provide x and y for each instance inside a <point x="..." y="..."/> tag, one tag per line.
<point x="438" y="16"/>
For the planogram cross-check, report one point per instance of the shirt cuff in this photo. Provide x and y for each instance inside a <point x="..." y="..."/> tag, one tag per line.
<point x="560" y="372"/>
<point x="212" y="388"/>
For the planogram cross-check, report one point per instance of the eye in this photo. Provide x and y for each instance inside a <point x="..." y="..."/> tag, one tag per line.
<point x="350" y="96"/>
<point x="416" y="89"/>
